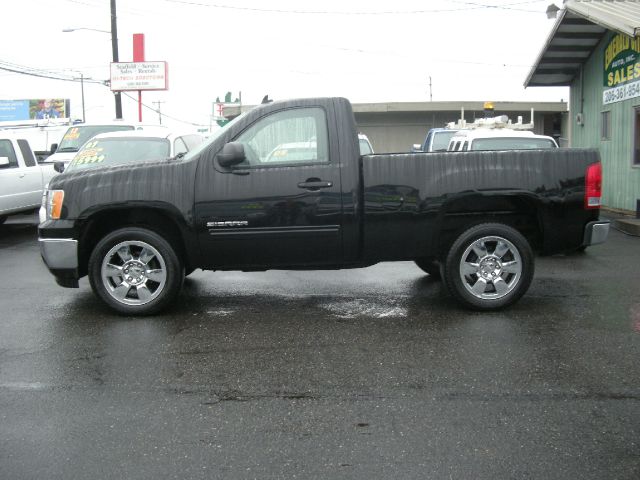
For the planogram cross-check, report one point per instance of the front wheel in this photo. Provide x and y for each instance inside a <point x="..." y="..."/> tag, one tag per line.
<point x="489" y="266"/>
<point x="135" y="271"/>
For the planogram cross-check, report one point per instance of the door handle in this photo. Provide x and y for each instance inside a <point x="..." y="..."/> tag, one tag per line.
<point x="314" y="184"/>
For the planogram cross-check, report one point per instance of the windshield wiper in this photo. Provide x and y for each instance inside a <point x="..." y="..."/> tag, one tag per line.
<point x="178" y="156"/>
<point x="67" y="149"/>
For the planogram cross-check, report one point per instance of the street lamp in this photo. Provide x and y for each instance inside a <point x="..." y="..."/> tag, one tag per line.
<point x="67" y="30"/>
<point x="114" y="49"/>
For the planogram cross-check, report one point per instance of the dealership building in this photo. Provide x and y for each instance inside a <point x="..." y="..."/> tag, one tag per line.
<point x="594" y="48"/>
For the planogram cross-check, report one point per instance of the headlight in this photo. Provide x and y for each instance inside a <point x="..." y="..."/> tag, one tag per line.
<point x="52" y="202"/>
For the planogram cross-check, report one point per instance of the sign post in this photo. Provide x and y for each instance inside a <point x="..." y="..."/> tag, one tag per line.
<point x="139" y="75"/>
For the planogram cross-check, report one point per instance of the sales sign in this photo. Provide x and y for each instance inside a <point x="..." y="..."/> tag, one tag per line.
<point x="139" y="76"/>
<point x="621" y="69"/>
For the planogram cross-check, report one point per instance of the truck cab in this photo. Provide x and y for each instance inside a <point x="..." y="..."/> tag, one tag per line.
<point x="22" y="179"/>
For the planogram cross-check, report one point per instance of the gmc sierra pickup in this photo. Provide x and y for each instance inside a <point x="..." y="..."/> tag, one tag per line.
<point x="284" y="186"/>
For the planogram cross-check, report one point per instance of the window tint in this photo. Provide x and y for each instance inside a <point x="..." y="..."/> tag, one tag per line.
<point x="6" y="150"/>
<point x="465" y="146"/>
<point x="456" y="148"/>
<point x="509" y="143"/>
<point x="288" y="137"/>
<point x="27" y="154"/>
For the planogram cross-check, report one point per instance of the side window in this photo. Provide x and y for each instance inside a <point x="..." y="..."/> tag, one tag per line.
<point x="289" y="137"/>
<point x="6" y="150"/>
<point x="457" y="147"/>
<point x="427" y="142"/>
<point x="27" y="154"/>
<point x="465" y="146"/>
<point x="605" y="127"/>
<point x="179" y="146"/>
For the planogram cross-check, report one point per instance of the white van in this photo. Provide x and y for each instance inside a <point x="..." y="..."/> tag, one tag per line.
<point x="499" y="139"/>
<point x="77" y="135"/>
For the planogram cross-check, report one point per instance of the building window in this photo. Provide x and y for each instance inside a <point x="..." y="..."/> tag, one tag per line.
<point x="605" y="133"/>
<point x="636" y="137"/>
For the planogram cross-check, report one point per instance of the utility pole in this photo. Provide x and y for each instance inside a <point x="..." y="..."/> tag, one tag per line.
<point x="158" y="110"/>
<point x="84" y="117"/>
<point x="430" y="91"/>
<point x="114" y="48"/>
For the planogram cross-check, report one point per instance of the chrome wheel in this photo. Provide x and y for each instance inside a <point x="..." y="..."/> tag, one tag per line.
<point x="490" y="268"/>
<point x="133" y="273"/>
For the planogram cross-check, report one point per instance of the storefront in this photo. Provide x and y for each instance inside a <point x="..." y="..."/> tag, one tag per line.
<point x="594" y="48"/>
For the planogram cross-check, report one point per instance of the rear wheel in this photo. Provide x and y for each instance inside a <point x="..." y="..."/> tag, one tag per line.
<point x="135" y="271"/>
<point x="489" y="266"/>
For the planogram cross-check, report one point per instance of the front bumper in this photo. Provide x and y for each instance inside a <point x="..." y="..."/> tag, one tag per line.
<point x="60" y="255"/>
<point x="596" y="232"/>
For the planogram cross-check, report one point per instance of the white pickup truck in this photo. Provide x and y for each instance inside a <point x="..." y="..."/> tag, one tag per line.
<point x="22" y="179"/>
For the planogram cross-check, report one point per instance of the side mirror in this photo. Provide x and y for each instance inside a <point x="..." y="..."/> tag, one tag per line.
<point x="58" y="166"/>
<point x="4" y="162"/>
<point x="54" y="147"/>
<point x="232" y="154"/>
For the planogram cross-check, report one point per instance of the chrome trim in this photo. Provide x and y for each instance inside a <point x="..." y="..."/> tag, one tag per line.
<point x="59" y="253"/>
<point x="596" y="232"/>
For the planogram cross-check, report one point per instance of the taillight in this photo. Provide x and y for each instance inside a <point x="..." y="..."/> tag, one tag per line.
<point x="593" y="186"/>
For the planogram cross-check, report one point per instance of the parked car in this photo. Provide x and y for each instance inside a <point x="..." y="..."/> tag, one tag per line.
<point x="477" y="218"/>
<point x="437" y="140"/>
<point x="78" y="135"/>
<point x="499" y="139"/>
<point x="117" y="148"/>
<point x="22" y="179"/>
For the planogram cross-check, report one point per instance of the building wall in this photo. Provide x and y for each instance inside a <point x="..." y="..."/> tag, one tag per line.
<point x="621" y="182"/>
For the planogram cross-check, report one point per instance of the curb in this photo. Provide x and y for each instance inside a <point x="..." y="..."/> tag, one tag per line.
<point x="630" y="226"/>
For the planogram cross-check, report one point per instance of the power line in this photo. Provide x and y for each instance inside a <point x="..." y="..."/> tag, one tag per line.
<point x="164" y="114"/>
<point x="470" y="6"/>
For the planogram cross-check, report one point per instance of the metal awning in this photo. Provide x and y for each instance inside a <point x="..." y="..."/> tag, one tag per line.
<point x="580" y="27"/>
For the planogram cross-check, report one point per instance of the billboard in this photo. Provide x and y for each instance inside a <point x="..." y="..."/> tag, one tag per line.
<point x="34" y="109"/>
<point x="138" y="76"/>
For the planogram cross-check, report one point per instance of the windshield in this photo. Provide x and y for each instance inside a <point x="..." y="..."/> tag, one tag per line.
<point x="117" y="151"/>
<point x="511" y="143"/>
<point x="76" y="136"/>
<point x="441" y="140"/>
<point x="213" y="137"/>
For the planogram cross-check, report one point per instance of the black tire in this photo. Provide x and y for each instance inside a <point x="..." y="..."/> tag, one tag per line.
<point x="429" y="266"/>
<point x="135" y="271"/>
<point x="3" y="218"/>
<point x="489" y="267"/>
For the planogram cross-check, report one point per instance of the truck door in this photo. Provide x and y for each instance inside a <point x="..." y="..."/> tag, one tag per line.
<point x="20" y="181"/>
<point x="282" y="206"/>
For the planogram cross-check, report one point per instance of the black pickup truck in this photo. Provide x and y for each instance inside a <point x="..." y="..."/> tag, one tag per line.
<point x="284" y="186"/>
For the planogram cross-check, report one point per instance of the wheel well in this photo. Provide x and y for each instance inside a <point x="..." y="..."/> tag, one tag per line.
<point x="521" y="215"/>
<point x="102" y="223"/>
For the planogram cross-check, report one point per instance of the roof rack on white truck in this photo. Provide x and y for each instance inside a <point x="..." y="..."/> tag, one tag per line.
<point x="500" y="121"/>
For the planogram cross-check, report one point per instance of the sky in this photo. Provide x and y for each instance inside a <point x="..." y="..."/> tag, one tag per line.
<point x="367" y="51"/>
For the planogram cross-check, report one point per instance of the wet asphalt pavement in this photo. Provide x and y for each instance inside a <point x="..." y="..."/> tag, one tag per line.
<point x="368" y="373"/>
